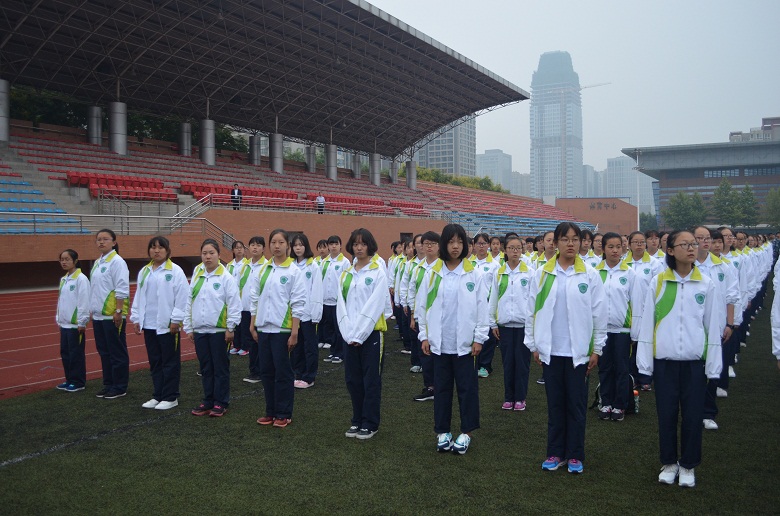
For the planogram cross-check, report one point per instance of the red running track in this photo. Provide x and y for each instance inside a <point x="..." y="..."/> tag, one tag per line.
<point x="30" y="345"/>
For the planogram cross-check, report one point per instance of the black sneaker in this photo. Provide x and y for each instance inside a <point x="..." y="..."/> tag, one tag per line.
<point x="352" y="432"/>
<point x="102" y="392"/>
<point x="618" y="415"/>
<point x="425" y="395"/>
<point x="112" y="395"/>
<point x="252" y="378"/>
<point x="365" y="433"/>
<point x="201" y="410"/>
<point x="540" y="381"/>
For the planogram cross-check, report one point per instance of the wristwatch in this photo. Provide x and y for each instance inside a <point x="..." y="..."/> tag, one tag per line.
<point x="732" y="326"/>
<point x="118" y="311"/>
<point x="231" y="329"/>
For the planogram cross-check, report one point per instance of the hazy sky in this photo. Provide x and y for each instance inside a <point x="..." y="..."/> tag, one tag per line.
<point x="681" y="72"/>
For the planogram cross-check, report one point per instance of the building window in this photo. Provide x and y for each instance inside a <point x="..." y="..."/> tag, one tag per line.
<point x="762" y="171"/>
<point x="728" y="172"/>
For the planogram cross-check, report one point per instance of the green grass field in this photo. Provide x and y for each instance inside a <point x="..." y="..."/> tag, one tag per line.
<point x="73" y="453"/>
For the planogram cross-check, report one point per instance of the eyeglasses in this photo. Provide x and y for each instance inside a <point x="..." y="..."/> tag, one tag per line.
<point x="688" y="245"/>
<point x="704" y="239"/>
<point x="481" y="244"/>
<point x="430" y="244"/>
<point x="514" y="248"/>
<point x="637" y="242"/>
<point x="566" y="240"/>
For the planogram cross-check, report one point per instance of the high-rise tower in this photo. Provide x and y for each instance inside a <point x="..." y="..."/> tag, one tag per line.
<point x="556" y="128"/>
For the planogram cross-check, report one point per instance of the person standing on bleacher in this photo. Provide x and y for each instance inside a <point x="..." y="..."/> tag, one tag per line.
<point x="235" y="197"/>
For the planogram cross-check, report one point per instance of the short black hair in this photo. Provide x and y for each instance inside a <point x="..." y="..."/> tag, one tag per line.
<point x="671" y="262"/>
<point x="449" y="232"/>
<point x="322" y="243"/>
<point x="334" y="239"/>
<point x="210" y="241"/>
<point x="282" y="232"/>
<point x="73" y="255"/>
<point x="300" y="237"/>
<point x="257" y="240"/>
<point x="483" y="236"/>
<point x="716" y="235"/>
<point x="587" y="233"/>
<point x="633" y="234"/>
<point x="162" y="242"/>
<point x="606" y="238"/>
<point x="115" y="247"/>
<point x="365" y="237"/>
<point x="432" y="236"/>
<point x="562" y="229"/>
<point x="650" y="233"/>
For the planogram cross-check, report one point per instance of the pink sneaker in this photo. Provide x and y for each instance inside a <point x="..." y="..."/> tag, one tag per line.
<point x="507" y="405"/>
<point x="519" y="405"/>
<point x="243" y="353"/>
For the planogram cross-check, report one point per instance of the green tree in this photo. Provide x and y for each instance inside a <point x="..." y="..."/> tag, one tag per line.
<point x="46" y="107"/>
<point x="684" y="211"/>
<point x="726" y="204"/>
<point x="772" y="208"/>
<point x="647" y="221"/>
<point x="319" y="156"/>
<point x="749" y="206"/>
<point x="294" y="156"/>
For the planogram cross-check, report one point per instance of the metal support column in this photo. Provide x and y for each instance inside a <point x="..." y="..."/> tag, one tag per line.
<point x="185" y="139"/>
<point x="375" y="171"/>
<point x="95" y="125"/>
<point x="394" y="172"/>
<point x="411" y="174"/>
<point x="276" y="152"/>
<point x="331" y="172"/>
<point x="254" y="149"/>
<point x="208" y="151"/>
<point x="117" y="127"/>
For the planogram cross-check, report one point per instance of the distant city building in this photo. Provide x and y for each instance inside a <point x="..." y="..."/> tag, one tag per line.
<point x="593" y="181"/>
<point x="497" y="165"/>
<point x="701" y="168"/>
<point x="454" y="151"/>
<point x="607" y="213"/>
<point x="621" y="180"/>
<point x="556" y="128"/>
<point x="521" y="184"/>
<point x="769" y="131"/>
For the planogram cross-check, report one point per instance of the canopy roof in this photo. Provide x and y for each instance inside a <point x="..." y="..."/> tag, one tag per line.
<point x="326" y="71"/>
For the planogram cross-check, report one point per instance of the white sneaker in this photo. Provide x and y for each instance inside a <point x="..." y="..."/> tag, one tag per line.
<point x="732" y="374"/>
<point x="151" y="403"/>
<point x="165" y="405"/>
<point x="742" y="344"/>
<point x="736" y="359"/>
<point x="325" y="345"/>
<point x="415" y="369"/>
<point x="320" y="344"/>
<point x="687" y="478"/>
<point x="721" y="393"/>
<point x="710" y="424"/>
<point x="668" y="473"/>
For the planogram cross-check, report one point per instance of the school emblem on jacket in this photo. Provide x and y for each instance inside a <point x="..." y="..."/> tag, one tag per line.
<point x="524" y="282"/>
<point x="623" y="280"/>
<point x="470" y="286"/>
<point x="72" y="288"/>
<point x="699" y="298"/>
<point x="308" y="274"/>
<point x="338" y="267"/>
<point x="102" y="269"/>
<point x="721" y="276"/>
<point x="647" y="271"/>
<point x="168" y="277"/>
<point x="583" y="287"/>
<point x="216" y="286"/>
<point x="369" y="281"/>
<point x="283" y="280"/>
<point x="487" y="268"/>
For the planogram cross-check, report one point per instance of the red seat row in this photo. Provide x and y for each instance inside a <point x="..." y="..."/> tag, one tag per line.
<point x="131" y="193"/>
<point x="347" y="200"/>
<point x="406" y="204"/>
<point x="88" y="178"/>
<point x="190" y="187"/>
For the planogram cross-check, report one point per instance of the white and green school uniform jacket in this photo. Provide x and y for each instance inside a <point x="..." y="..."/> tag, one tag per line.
<point x="646" y="267"/>
<point x="541" y="260"/>
<point x="331" y="272"/>
<point x="392" y="268"/>
<point x="213" y="305"/>
<point x="73" y="301"/>
<point x="363" y="302"/>
<point x="625" y="295"/>
<point x="415" y="280"/>
<point x="735" y="258"/>
<point x="508" y="299"/>
<point x="109" y="281"/>
<point x="472" y="315"/>
<point x="487" y="265"/>
<point x="659" y="255"/>
<point x="312" y="280"/>
<point x="278" y="296"/>
<point x="591" y="259"/>
<point x="394" y="282"/>
<point x="723" y="276"/>
<point x="235" y="266"/>
<point x="167" y="289"/>
<point x="246" y="278"/>
<point x="586" y="306"/>
<point x="775" y="314"/>
<point x="680" y="322"/>
<point x="406" y="278"/>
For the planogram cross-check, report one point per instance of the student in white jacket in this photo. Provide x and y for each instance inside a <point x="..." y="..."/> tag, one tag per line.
<point x="430" y="244"/>
<point x="362" y="311"/>
<point x="624" y="292"/>
<point x="210" y="318"/>
<point x="679" y="343"/>
<point x="72" y="318"/>
<point x="245" y="278"/>
<point x="508" y="312"/>
<point x="278" y="304"/>
<point x="158" y="310"/>
<point x="566" y="332"/>
<point x="487" y="264"/>
<point x="452" y="311"/>
<point x="332" y="267"/>
<point x="775" y="315"/>
<point x="108" y="303"/>
<point x="305" y="354"/>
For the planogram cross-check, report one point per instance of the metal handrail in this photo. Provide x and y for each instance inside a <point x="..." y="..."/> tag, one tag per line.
<point x="103" y="195"/>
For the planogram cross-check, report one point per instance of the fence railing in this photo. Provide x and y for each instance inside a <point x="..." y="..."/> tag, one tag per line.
<point x="14" y="223"/>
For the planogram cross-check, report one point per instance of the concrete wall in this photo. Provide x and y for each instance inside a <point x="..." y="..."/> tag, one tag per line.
<point x="32" y="260"/>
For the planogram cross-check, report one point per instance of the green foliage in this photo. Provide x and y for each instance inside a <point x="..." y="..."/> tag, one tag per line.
<point x="726" y="204"/>
<point x="296" y="155"/>
<point x="319" y="156"/>
<point x="684" y="211"/>
<point x="749" y="206"/>
<point x="41" y="106"/>
<point x="647" y="221"/>
<point x="772" y="208"/>
<point x="437" y="176"/>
